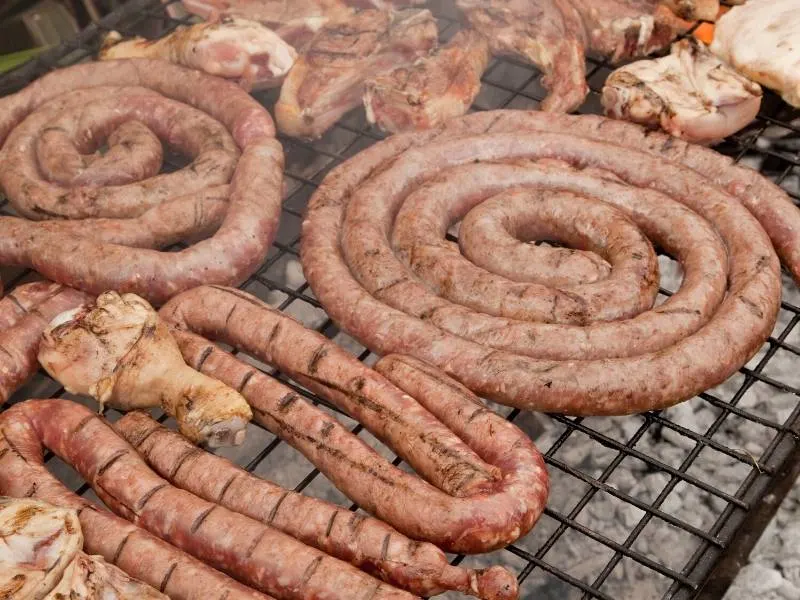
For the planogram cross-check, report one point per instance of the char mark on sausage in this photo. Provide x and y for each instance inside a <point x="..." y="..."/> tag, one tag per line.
<point x="484" y="482"/>
<point x="375" y="254"/>
<point x="51" y="169"/>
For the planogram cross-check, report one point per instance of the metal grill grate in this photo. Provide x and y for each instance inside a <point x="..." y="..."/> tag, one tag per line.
<point x="607" y="533"/>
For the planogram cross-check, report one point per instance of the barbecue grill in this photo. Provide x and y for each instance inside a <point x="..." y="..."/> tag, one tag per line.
<point x="641" y="540"/>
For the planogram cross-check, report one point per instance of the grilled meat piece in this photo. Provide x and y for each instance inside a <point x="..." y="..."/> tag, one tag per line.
<point x="328" y="79"/>
<point x="547" y="33"/>
<point x="761" y="40"/>
<point x="621" y="30"/>
<point x="690" y="94"/>
<point x="296" y="21"/>
<point x="435" y="88"/>
<point x="232" y="48"/>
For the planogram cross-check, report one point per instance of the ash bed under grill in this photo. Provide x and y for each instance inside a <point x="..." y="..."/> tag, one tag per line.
<point x="660" y="505"/>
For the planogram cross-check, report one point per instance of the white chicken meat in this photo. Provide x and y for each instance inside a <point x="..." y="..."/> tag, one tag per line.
<point x="690" y="93"/>
<point x="761" y="39"/>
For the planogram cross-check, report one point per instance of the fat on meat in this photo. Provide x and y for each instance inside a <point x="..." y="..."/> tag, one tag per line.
<point x="761" y="39"/>
<point x="435" y="88"/>
<point x="547" y="33"/>
<point x="296" y="21"/>
<point x="690" y="93"/>
<point x="328" y="79"/>
<point x="232" y="48"/>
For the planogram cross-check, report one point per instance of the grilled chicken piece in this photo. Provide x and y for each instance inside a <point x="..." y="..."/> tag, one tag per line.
<point x="232" y="48"/>
<point x="296" y="21"/>
<point x="694" y="10"/>
<point x="547" y="33"/>
<point x="621" y="30"/>
<point x="435" y="88"/>
<point x="690" y="94"/>
<point x="761" y="39"/>
<point x="119" y="352"/>
<point x="41" y="557"/>
<point x="37" y="543"/>
<point x="328" y="79"/>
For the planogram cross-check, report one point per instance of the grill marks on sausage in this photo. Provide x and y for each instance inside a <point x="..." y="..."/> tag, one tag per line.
<point x="650" y="360"/>
<point x="491" y="495"/>
<point x="227" y="133"/>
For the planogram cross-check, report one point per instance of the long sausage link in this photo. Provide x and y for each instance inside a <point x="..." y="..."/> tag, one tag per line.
<point x="252" y="552"/>
<point x="24" y="429"/>
<point x="488" y="483"/>
<point x="366" y="542"/>
<point x="375" y="254"/>
<point x="124" y="210"/>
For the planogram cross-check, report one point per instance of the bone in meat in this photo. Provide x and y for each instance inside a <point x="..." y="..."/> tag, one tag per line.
<point x="690" y="94"/>
<point x="232" y="48"/>
<point x="435" y="88"/>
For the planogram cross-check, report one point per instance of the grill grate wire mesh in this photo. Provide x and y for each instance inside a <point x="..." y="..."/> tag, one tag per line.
<point x="539" y="558"/>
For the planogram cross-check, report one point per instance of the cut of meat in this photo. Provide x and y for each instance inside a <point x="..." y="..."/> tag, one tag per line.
<point x="624" y="29"/>
<point x="296" y="21"/>
<point x="328" y="79"/>
<point x="245" y="51"/>
<point x="547" y="33"/>
<point x="433" y="89"/>
<point x="690" y="94"/>
<point x="761" y="40"/>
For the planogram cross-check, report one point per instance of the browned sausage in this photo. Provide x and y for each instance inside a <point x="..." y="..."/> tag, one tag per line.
<point x="138" y="553"/>
<point x="422" y="182"/>
<point x="493" y="225"/>
<point x="59" y="121"/>
<point x="488" y="483"/>
<point x="252" y="552"/>
<point x="363" y="541"/>
<point x="19" y="344"/>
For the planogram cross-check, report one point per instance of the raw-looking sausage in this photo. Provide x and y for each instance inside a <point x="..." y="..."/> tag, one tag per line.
<point x="366" y="542"/>
<point x="25" y="313"/>
<point x="50" y="132"/>
<point x="375" y="254"/>
<point x="488" y="483"/>
<point x="252" y="552"/>
<point x="138" y="553"/>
